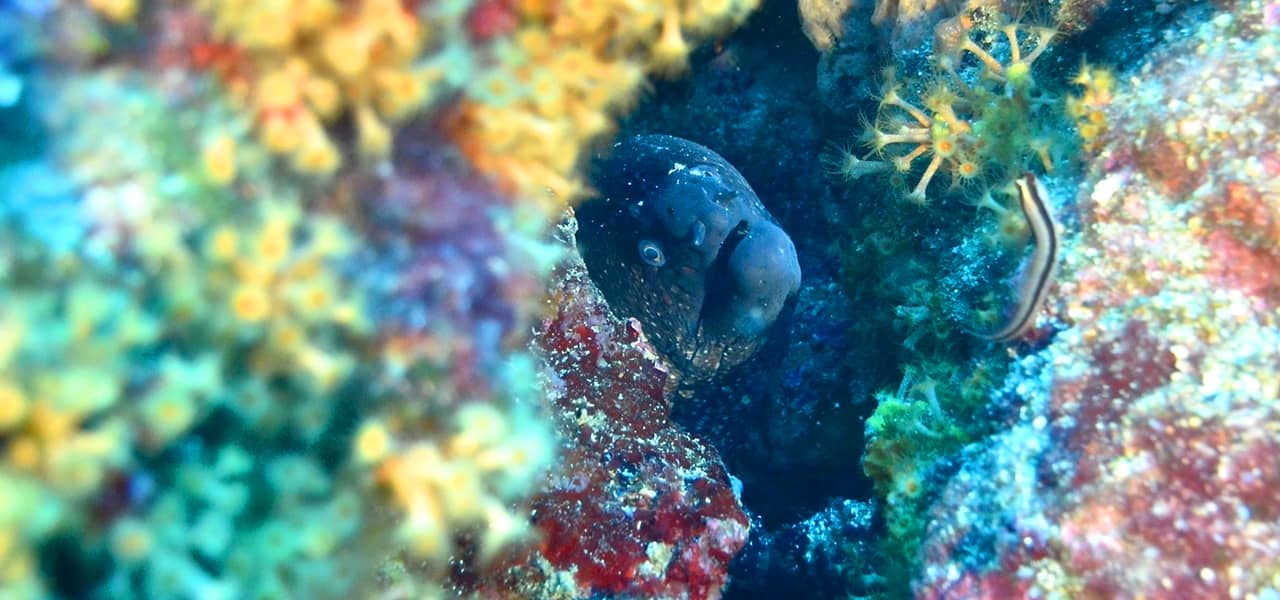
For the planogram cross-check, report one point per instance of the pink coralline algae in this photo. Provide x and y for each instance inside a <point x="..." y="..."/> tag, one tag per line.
<point x="1145" y="461"/>
<point x="636" y="508"/>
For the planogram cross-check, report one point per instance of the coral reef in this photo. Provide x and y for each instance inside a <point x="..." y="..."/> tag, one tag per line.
<point x="1142" y="459"/>
<point x="193" y="384"/>
<point x="282" y="313"/>
<point x="525" y="88"/>
<point x="1097" y="85"/>
<point x="298" y="66"/>
<point x="475" y="443"/>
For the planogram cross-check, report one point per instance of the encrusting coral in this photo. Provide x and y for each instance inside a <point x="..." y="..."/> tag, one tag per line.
<point x="1142" y="460"/>
<point x="562" y="71"/>
<point x="300" y="65"/>
<point x="193" y="385"/>
<point x="523" y="87"/>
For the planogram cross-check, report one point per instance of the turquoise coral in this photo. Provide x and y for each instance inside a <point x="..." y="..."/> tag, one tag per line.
<point x="183" y="376"/>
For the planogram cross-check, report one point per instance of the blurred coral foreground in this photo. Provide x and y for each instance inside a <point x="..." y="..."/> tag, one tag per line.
<point x="281" y="316"/>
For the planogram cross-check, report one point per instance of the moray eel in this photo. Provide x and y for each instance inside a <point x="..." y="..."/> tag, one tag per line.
<point x="678" y="240"/>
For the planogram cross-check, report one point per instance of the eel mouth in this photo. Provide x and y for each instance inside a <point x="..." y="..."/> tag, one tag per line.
<point x="716" y="286"/>
<point x="732" y="241"/>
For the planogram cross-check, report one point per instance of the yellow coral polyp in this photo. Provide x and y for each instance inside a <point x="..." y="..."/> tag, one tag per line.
<point x="13" y="406"/>
<point x="281" y="132"/>
<point x="670" y="54"/>
<point x="965" y="126"/>
<point x="425" y="535"/>
<point x="373" y="442"/>
<point x="119" y="11"/>
<point x="497" y="89"/>
<point x="16" y="569"/>
<point x="396" y="24"/>
<point x="501" y="529"/>
<point x="49" y="424"/>
<point x="1087" y="108"/>
<point x="616" y="88"/>
<point x="250" y="271"/>
<point x="288" y="337"/>
<point x="968" y="169"/>
<point x="24" y="453"/>
<point x="588" y="123"/>
<point x="223" y="244"/>
<point x="279" y="90"/>
<point x="325" y="370"/>
<point x="273" y="244"/>
<point x="329" y="238"/>
<point x="706" y="14"/>
<point x="944" y="146"/>
<point x="313" y="300"/>
<point x="1019" y="75"/>
<point x="167" y="413"/>
<point x="577" y="68"/>
<point x="250" y="304"/>
<point x="346" y="50"/>
<point x="317" y="156"/>
<point x="373" y="135"/>
<point x="323" y="96"/>
<point x="400" y="92"/>
<point x="312" y="15"/>
<point x="546" y="93"/>
<point x="465" y="491"/>
<point x="571" y="65"/>
<point x="73" y="473"/>
<point x="219" y="158"/>
<point x="266" y="25"/>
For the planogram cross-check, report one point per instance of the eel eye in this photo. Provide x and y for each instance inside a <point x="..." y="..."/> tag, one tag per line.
<point x="651" y="253"/>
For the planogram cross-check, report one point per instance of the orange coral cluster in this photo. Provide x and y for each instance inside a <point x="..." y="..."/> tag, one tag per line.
<point x="535" y="80"/>
<point x="1087" y="109"/>
<point x="563" y="72"/>
<point x="314" y="61"/>
<point x="978" y="115"/>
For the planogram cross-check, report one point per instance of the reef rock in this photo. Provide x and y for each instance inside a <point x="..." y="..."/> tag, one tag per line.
<point x="636" y="507"/>
<point x="1145" y="461"/>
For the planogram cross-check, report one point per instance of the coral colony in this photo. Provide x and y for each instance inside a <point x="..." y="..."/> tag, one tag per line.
<point x="295" y="303"/>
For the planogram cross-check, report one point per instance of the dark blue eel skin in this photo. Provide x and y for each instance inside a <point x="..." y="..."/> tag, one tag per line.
<point x="677" y="239"/>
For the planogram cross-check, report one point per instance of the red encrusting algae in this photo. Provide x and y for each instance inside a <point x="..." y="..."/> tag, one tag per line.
<point x="636" y="506"/>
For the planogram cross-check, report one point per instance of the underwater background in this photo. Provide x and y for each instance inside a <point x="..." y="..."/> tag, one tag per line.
<point x="639" y="299"/>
